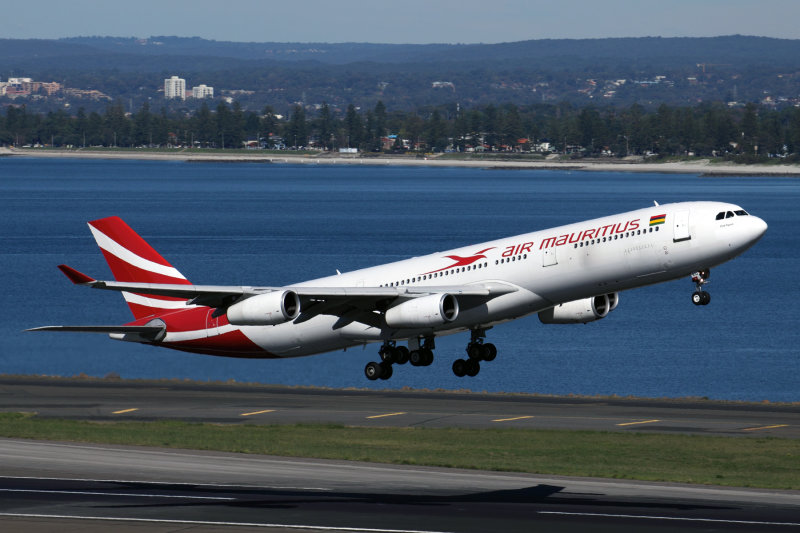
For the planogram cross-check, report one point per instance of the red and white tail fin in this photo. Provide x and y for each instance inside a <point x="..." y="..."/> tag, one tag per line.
<point x="131" y="259"/>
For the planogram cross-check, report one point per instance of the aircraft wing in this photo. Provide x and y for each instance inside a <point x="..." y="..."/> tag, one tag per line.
<point x="314" y="300"/>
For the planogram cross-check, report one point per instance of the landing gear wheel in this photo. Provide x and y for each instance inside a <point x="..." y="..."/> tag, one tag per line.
<point x="491" y="352"/>
<point x="460" y="368"/>
<point x="373" y="370"/>
<point x="474" y="351"/>
<point x="701" y="298"/>
<point x="388" y="354"/>
<point x="386" y="370"/>
<point x="427" y="355"/>
<point x="473" y="367"/>
<point x="700" y="278"/>
<point x="402" y="355"/>
<point x="415" y="357"/>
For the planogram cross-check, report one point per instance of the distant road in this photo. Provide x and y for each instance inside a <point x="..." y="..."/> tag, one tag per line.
<point x="241" y="404"/>
<point x="701" y="166"/>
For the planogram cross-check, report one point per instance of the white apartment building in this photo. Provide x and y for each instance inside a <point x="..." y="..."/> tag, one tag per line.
<point x="202" y="91"/>
<point x="175" y="88"/>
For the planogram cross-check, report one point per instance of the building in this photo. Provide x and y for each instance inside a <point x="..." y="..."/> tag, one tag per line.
<point x="202" y="91"/>
<point x="175" y="88"/>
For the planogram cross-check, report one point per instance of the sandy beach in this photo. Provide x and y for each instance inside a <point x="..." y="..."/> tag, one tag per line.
<point x="702" y="166"/>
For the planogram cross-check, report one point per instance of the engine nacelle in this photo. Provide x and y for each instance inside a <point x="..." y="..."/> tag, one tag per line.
<point x="581" y="311"/>
<point x="266" y="309"/>
<point x="423" y="312"/>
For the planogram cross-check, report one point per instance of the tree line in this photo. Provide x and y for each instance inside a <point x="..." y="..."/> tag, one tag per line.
<point x="709" y="129"/>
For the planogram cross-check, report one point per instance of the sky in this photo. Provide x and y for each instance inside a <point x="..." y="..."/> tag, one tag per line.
<point x="400" y="21"/>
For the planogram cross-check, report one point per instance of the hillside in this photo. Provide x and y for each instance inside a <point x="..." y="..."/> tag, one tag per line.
<point x="649" y="71"/>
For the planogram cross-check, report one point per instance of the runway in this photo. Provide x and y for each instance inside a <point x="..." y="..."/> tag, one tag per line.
<point x="232" y="404"/>
<point x="48" y="486"/>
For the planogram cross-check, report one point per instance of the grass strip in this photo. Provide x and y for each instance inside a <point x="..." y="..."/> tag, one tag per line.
<point x="733" y="461"/>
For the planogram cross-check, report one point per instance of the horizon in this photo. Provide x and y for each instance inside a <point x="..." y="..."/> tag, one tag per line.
<point x="415" y="22"/>
<point x="189" y="37"/>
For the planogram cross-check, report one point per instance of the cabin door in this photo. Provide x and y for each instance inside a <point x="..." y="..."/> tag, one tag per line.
<point x="681" y="227"/>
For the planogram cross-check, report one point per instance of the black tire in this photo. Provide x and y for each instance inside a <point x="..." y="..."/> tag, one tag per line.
<point x="402" y="355"/>
<point x="386" y="370"/>
<point x="415" y="357"/>
<point x="460" y="368"/>
<point x="388" y="354"/>
<point x="473" y="367"/>
<point x="491" y="352"/>
<point x="705" y="298"/>
<point x="474" y="351"/>
<point x="428" y="356"/>
<point x="373" y="370"/>
<point x="697" y="298"/>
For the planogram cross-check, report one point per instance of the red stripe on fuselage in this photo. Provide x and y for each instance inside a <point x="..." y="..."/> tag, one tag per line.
<point x="231" y="344"/>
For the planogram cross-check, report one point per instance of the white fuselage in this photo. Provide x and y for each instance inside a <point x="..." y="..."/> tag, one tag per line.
<point x="546" y="268"/>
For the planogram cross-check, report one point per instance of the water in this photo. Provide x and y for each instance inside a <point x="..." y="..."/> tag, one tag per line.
<point x="259" y="224"/>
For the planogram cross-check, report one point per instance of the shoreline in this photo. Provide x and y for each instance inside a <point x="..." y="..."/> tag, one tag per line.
<point x="703" y="167"/>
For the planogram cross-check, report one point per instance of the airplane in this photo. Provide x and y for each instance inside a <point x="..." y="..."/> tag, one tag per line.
<point x="567" y="275"/>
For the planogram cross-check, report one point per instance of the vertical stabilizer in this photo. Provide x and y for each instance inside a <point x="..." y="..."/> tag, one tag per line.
<point x="131" y="259"/>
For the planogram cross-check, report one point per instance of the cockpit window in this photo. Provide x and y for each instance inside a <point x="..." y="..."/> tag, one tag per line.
<point x="720" y="215"/>
<point x="729" y="214"/>
<point x="741" y="213"/>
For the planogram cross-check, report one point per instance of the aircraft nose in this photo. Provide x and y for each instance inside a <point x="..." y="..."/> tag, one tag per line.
<point x="756" y="228"/>
<point x="760" y="227"/>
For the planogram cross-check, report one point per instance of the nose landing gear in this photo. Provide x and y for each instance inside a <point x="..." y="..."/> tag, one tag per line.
<point x="699" y="296"/>
<point x="477" y="351"/>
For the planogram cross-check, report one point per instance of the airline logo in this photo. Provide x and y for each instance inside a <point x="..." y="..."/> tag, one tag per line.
<point x="658" y="219"/>
<point x="461" y="261"/>
<point x="592" y="233"/>
<point x="131" y="259"/>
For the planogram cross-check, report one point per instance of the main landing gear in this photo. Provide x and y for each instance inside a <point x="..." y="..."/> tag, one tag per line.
<point x="699" y="296"/>
<point x="477" y="351"/>
<point x="391" y="353"/>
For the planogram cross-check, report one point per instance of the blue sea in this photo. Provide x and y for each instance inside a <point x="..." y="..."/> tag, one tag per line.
<point x="273" y="224"/>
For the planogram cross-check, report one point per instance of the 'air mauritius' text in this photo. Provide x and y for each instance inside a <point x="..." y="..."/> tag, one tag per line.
<point x="594" y="233"/>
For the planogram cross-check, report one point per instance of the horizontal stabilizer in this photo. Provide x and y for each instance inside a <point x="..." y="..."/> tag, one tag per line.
<point x="145" y="332"/>
<point x="78" y="278"/>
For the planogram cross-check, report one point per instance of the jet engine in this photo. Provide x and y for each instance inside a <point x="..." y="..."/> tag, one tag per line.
<point x="266" y="309"/>
<point x="422" y="312"/>
<point x="581" y="311"/>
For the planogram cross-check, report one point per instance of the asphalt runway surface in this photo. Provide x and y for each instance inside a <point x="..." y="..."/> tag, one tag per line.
<point x="51" y="486"/>
<point x="125" y="400"/>
<point x="47" y="484"/>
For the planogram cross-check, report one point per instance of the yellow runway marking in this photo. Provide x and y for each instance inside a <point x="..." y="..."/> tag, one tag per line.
<point x="258" y="412"/>
<point x="767" y="427"/>
<point x="635" y="423"/>
<point x="125" y="411"/>
<point x="387" y="414"/>
<point x="510" y="419"/>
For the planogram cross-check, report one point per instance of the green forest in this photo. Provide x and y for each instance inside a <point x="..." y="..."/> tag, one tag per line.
<point x="709" y="129"/>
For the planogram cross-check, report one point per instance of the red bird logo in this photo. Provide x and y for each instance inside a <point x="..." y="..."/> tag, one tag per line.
<point x="462" y="261"/>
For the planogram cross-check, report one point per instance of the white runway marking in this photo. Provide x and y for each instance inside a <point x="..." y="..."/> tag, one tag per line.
<point x="674" y="518"/>
<point x="204" y="523"/>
